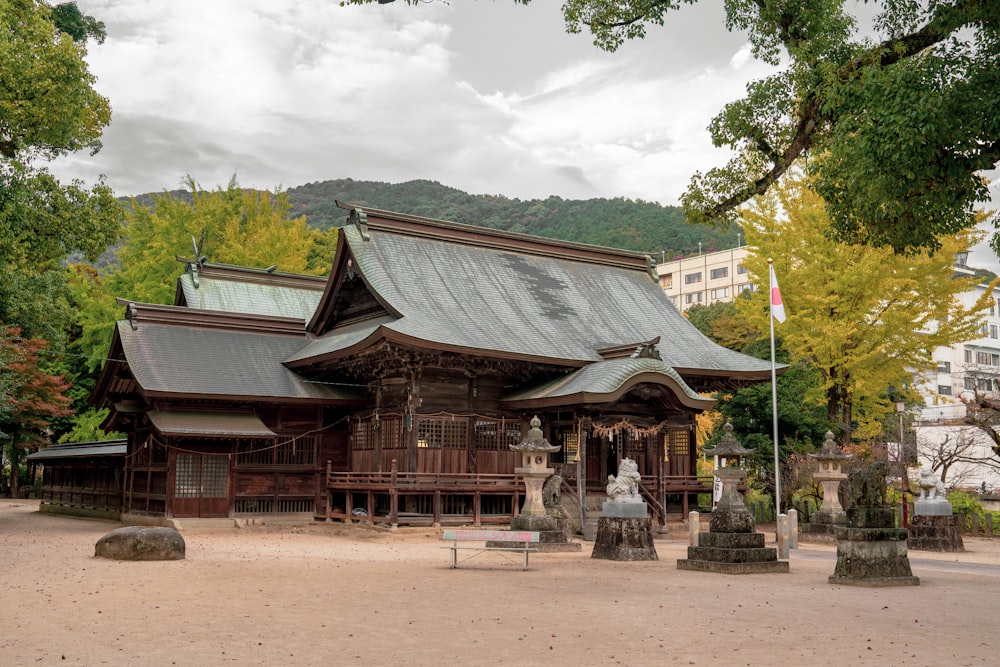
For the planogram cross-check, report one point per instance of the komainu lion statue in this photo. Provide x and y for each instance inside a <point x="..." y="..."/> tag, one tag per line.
<point x="931" y="486"/>
<point x="627" y="481"/>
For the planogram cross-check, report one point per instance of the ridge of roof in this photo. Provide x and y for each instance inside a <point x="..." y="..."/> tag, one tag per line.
<point x="137" y="312"/>
<point x="366" y="218"/>
<point x="248" y="274"/>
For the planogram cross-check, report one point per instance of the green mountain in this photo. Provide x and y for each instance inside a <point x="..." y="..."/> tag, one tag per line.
<point x="618" y="223"/>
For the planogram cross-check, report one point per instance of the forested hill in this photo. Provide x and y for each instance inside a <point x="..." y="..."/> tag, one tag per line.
<point x="618" y="223"/>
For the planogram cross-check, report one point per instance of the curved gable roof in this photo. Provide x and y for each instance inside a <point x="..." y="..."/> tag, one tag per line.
<point x="472" y="289"/>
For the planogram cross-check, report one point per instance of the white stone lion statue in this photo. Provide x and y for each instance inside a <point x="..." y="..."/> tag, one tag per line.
<point x="931" y="486"/>
<point x="627" y="481"/>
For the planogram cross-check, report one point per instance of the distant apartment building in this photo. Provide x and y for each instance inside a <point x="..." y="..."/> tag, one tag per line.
<point x="960" y="371"/>
<point x="960" y="374"/>
<point x="705" y="278"/>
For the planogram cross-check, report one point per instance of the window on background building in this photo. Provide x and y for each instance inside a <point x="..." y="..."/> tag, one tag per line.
<point x="721" y="293"/>
<point x="745" y="287"/>
<point x="740" y="270"/>
<point x="692" y="278"/>
<point x="968" y="356"/>
<point x="944" y="389"/>
<point x="693" y="297"/>
<point x="667" y="281"/>
<point x="720" y="273"/>
<point x="983" y="329"/>
<point x="944" y="367"/>
<point x="993" y="331"/>
<point x="969" y="383"/>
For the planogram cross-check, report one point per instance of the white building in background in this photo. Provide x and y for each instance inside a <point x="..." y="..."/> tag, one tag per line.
<point x="961" y="371"/>
<point x="714" y="277"/>
<point x="705" y="278"/>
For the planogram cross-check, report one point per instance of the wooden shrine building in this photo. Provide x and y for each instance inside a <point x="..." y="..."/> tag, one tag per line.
<point x="393" y="390"/>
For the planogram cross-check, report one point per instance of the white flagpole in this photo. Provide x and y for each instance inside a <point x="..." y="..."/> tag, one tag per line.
<point x="774" y="393"/>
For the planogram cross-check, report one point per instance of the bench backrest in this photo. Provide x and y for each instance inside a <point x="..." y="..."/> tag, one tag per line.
<point x="491" y="535"/>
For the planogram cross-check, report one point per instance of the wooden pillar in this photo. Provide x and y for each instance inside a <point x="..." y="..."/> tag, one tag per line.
<point x="371" y="507"/>
<point x="437" y="508"/>
<point x="477" y="509"/>
<point x="329" y="494"/>
<point x="581" y="472"/>
<point x="394" y="494"/>
<point x="348" y="505"/>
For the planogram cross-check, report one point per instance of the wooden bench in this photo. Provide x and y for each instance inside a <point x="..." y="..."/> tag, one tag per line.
<point x="523" y="538"/>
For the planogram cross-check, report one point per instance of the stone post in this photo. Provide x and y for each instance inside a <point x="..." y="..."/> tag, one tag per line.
<point x="694" y="526"/>
<point x="793" y="529"/>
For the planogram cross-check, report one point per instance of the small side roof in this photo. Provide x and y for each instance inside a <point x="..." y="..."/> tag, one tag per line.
<point x="74" y="450"/>
<point x="173" y="351"/>
<point x="237" y="289"/>
<point x="209" y="424"/>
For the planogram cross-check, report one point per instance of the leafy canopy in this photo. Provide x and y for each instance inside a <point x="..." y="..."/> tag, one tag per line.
<point x="240" y="227"/>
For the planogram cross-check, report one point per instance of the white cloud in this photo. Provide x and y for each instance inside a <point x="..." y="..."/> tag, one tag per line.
<point x="283" y="92"/>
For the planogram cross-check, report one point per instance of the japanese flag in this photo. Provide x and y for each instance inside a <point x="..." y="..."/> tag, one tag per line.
<point x="777" y="306"/>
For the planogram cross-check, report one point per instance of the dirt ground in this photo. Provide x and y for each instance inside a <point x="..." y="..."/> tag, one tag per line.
<point x="335" y="595"/>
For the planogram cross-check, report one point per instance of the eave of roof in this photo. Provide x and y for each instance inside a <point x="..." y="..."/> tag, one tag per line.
<point x="209" y="424"/>
<point x="74" y="450"/>
<point x="606" y="382"/>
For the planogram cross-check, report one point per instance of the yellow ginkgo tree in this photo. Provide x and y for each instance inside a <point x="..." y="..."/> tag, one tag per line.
<point x="865" y="317"/>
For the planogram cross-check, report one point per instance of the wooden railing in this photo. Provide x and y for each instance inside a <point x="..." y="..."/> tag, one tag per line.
<point x="438" y="486"/>
<point x="367" y="492"/>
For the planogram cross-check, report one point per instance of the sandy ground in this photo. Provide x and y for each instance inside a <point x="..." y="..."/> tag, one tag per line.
<point x="334" y="595"/>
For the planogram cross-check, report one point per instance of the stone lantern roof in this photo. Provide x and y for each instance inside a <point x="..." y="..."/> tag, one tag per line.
<point x="729" y="446"/>
<point x="830" y="451"/>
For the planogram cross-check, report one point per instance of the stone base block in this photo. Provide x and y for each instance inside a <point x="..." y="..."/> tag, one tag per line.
<point x="871" y="517"/>
<point x="769" y="567"/>
<point x="872" y="562"/>
<point x="850" y="534"/>
<point x="731" y="521"/>
<point x="624" y="539"/>
<point x="823" y="518"/>
<point x="935" y="533"/>
<point x="932" y="508"/>
<point x="732" y="553"/>
<point x="731" y="540"/>
<point x="553" y="536"/>
<point x="625" y="510"/>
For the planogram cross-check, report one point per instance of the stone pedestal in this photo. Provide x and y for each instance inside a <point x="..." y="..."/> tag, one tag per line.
<point x="871" y="551"/>
<point x="624" y="538"/>
<point x="935" y="533"/>
<point x="732" y="553"/>
<point x="731" y="546"/>
<point x="552" y="534"/>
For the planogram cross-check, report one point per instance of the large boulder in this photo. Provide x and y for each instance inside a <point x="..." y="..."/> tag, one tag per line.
<point x="141" y="543"/>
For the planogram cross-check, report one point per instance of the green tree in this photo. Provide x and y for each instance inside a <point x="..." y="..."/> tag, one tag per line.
<point x="241" y="227"/>
<point x="901" y="113"/>
<point x="864" y="317"/>
<point x="48" y="108"/>
<point x="723" y="323"/>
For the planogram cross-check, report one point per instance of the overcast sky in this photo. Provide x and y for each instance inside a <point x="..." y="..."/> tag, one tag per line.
<point x="482" y="95"/>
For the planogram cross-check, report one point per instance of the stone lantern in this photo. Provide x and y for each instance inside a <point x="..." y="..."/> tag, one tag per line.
<point x="731" y="514"/>
<point x="534" y="516"/>
<point x="830" y="462"/>
<point x="534" y="467"/>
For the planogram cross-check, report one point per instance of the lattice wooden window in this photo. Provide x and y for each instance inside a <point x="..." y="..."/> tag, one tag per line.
<point x="362" y="434"/>
<point x="446" y="432"/>
<point x="201" y="476"/>
<point x="497" y="433"/>
<point x="676" y="443"/>
<point x="633" y="444"/>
